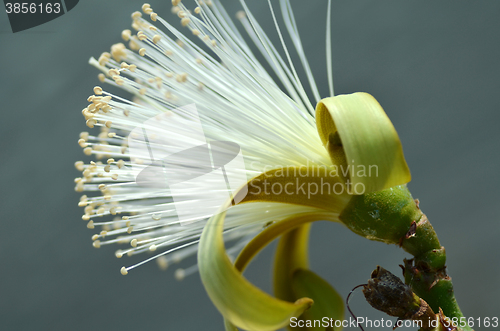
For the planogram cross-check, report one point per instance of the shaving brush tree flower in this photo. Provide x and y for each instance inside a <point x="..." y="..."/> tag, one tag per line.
<point x="334" y="158"/>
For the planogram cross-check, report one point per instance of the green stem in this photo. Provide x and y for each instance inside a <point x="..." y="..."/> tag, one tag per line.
<point x="426" y="272"/>
<point x="393" y="216"/>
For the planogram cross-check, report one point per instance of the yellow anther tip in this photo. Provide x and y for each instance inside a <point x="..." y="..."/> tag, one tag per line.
<point x="180" y="274"/>
<point x="126" y="34"/>
<point x="98" y="90"/>
<point x="162" y="262"/>
<point x="145" y="6"/>
<point x="181" y="78"/>
<point x="87" y="150"/>
<point x="79" y="165"/>
<point x="241" y="15"/>
<point x="136" y="15"/>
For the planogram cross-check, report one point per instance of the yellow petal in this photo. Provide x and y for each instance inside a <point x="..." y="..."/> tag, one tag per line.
<point x="276" y="229"/>
<point x="328" y="304"/>
<point x="241" y="303"/>
<point x="362" y="142"/>
<point x="292" y="279"/>
<point x="296" y="226"/>
<point x="291" y="254"/>
<point x="228" y="326"/>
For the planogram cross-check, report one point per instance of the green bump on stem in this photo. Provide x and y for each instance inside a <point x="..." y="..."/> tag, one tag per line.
<point x="442" y="292"/>
<point x="382" y="216"/>
<point x="434" y="259"/>
<point x="423" y="241"/>
<point x="440" y="295"/>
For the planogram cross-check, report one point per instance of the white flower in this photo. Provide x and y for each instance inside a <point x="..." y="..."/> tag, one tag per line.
<point x="205" y="123"/>
<point x="208" y="64"/>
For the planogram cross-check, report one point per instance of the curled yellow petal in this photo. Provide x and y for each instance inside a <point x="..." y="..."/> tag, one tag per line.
<point x="295" y="229"/>
<point x="362" y="142"/>
<point x="292" y="280"/>
<point x="278" y="228"/>
<point x="328" y="304"/>
<point x="240" y="302"/>
<point x="291" y="254"/>
<point x="228" y="326"/>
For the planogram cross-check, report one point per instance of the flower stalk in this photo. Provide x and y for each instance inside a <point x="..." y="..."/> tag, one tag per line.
<point x="394" y="217"/>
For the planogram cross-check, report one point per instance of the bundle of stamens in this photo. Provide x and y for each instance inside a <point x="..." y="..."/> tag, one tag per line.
<point x="211" y="66"/>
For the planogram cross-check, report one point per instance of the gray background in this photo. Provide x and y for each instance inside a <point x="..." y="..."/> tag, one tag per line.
<point x="434" y="67"/>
